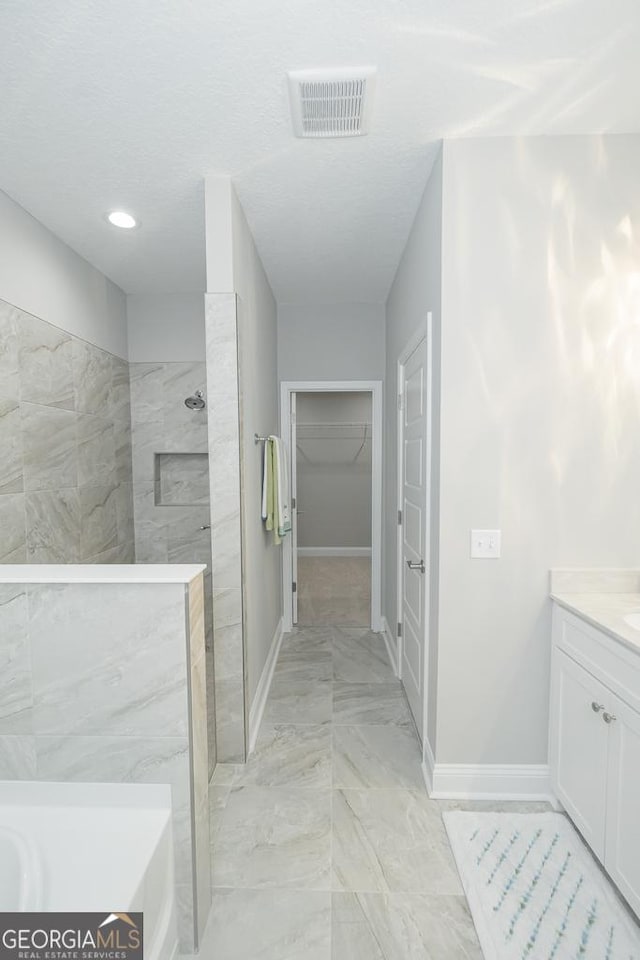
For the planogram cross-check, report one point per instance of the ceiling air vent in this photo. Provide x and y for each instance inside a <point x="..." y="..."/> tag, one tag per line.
<point x="331" y="103"/>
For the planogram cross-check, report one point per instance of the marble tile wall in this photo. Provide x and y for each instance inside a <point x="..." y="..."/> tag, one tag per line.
<point x="163" y="432"/>
<point x="65" y="443"/>
<point x="95" y="685"/>
<point x="224" y="478"/>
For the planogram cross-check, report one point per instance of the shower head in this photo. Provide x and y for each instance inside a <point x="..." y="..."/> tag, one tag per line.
<point x="196" y="402"/>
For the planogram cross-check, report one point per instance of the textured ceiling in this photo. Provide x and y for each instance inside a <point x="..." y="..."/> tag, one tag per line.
<point x="130" y="103"/>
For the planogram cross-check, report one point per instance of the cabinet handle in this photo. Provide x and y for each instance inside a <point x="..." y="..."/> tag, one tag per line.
<point x="596" y="707"/>
<point x="608" y="717"/>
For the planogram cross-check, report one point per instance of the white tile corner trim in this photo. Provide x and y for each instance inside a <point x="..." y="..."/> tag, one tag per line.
<point x="486" y="781"/>
<point x="391" y="644"/>
<point x="264" y="685"/>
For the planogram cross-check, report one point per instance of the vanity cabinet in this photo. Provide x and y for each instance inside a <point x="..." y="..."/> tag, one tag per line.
<point x="594" y="749"/>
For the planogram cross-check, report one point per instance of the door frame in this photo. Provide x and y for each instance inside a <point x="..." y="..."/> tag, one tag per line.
<point x="423" y="332"/>
<point x="374" y="387"/>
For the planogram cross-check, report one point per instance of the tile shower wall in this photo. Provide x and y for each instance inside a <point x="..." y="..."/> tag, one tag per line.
<point x="170" y="482"/>
<point x="65" y="438"/>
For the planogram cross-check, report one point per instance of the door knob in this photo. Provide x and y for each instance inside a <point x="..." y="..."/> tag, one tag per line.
<point x="608" y="717"/>
<point x="416" y="565"/>
<point x="596" y="707"/>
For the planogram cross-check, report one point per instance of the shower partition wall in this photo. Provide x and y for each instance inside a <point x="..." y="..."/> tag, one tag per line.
<point x="171" y="482"/>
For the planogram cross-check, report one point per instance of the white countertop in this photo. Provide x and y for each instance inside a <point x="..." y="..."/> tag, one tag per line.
<point x="606" y="611"/>
<point x="100" y="572"/>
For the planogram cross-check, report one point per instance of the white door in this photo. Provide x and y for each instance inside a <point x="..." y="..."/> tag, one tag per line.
<point x="414" y="506"/>
<point x="293" y="452"/>
<point x="579" y="748"/>
<point x="622" y="858"/>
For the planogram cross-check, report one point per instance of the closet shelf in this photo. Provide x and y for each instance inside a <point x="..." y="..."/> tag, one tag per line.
<point x="333" y="431"/>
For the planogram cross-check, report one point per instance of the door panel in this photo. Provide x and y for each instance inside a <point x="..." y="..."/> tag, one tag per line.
<point x="413" y="588"/>
<point x="413" y="442"/>
<point x="413" y="654"/>
<point x="413" y="462"/>
<point x="580" y="747"/>
<point x="623" y="802"/>
<point x="414" y="407"/>
<point x="412" y="529"/>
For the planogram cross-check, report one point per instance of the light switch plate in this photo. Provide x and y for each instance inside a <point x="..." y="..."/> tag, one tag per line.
<point x="485" y="544"/>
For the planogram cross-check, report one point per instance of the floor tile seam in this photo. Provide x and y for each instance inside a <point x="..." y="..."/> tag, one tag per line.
<point x="388" y="723"/>
<point x="300" y="655"/>
<point x="304" y="658"/>
<point x="394" y="682"/>
<point x="222" y="886"/>
<point x="397" y="893"/>
<point x="338" y="788"/>
<point x="414" y="791"/>
<point x="306" y="664"/>
<point x="275" y="886"/>
<point x="285" y="786"/>
<point x="364" y="683"/>
<point x="331" y="836"/>
<point x="268" y="724"/>
<point x="402" y="724"/>
<point x="276" y="723"/>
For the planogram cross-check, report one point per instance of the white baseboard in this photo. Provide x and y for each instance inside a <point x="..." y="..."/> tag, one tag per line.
<point x="486" y="781"/>
<point x="334" y="551"/>
<point x="428" y="764"/>
<point x="391" y="644"/>
<point x="260" y="699"/>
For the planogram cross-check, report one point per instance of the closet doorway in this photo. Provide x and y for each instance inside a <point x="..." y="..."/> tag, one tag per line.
<point x="332" y="564"/>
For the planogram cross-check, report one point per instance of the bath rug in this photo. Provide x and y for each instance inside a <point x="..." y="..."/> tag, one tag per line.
<point x="534" y="890"/>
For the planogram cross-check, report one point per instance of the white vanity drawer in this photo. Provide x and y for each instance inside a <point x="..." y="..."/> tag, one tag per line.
<point x="607" y="659"/>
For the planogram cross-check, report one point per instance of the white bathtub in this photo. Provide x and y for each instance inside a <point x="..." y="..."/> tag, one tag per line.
<point x="90" y="847"/>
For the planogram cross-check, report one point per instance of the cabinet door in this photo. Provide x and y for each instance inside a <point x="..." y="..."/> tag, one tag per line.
<point x="579" y="747"/>
<point x="622" y="858"/>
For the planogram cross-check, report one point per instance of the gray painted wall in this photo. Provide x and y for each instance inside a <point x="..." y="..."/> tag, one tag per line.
<point x="43" y="276"/>
<point x="540" y="407"/>
<point x="416" y="290"/>
<point x="257" y="340"/>
<point x="331" y="341"/>
<point x="166" y="327"/>
<point x="334" y="488"/>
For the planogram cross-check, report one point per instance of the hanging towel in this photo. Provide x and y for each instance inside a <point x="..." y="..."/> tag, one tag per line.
<point x="269" y="485"/>
<point x="267" y="466"/>
<point x="282" y="517"/>
<point x="275" y="489"/>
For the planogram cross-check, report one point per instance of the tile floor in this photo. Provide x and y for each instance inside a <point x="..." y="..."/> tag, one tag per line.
<point x="334" y="590"/>
<point x="325" y="845"/>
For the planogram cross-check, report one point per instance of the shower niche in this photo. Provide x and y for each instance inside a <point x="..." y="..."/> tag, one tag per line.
<point x="181" y="479"/>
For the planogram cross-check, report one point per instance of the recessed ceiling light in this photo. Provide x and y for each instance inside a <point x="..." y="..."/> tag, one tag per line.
<point x="118" y="218"/>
